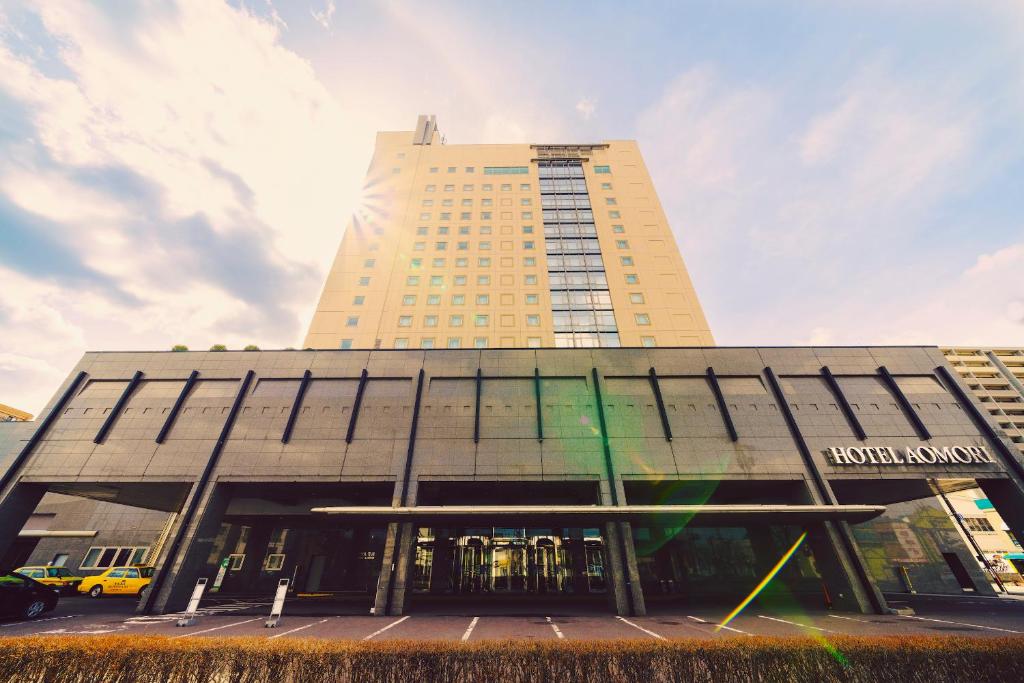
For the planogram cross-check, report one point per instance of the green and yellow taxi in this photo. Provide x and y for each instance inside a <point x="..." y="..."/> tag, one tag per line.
<point x="60" y="578"/>
<point x="131" y="580"/>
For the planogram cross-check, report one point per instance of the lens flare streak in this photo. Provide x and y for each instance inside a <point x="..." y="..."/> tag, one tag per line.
<point x="764" y="582"/>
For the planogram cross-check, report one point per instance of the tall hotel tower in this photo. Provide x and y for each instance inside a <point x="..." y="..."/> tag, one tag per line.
<point x="507" y="246"/>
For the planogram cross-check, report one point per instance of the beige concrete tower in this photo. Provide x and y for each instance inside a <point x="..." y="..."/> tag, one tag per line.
<point x="996" y="376"/>
<point x="478" y="246"/>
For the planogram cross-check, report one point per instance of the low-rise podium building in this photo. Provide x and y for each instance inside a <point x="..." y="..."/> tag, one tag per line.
<point x="391" y="480"/>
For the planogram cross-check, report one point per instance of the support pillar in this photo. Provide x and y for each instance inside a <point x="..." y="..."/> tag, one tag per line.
<point x="626" y="595"/>
<point x="15" y="510"/>
<point x="633" y="571"/>
<point x="846" y="589"/>
<point x="181" y="571"/>
<point x="615" y="570"/>
<point x="404" y="555"/>
<point x="394" y="570"/>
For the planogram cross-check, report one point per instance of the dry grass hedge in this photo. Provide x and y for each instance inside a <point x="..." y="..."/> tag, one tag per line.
<point x="72" y="659"/>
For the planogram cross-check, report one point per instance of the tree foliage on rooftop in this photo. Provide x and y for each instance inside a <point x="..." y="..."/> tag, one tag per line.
<point x="251" y="347"/>
<point x="218" y="347"/>
<point x="179" y="347"/>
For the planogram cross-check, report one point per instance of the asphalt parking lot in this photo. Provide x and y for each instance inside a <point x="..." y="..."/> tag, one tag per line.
<point x="977" y="617"/>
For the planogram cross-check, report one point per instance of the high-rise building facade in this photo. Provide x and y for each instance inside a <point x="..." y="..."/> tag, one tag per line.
<point x="996" y="376"/>
<point x="507" y="246"/>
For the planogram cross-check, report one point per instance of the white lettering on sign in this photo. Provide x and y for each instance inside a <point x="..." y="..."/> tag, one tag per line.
<point x="922" y="455"/>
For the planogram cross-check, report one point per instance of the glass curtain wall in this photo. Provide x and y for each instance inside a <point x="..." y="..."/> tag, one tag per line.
<point x="580" y="301"/>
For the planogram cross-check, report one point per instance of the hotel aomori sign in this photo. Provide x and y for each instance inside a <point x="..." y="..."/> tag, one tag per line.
<point x="923" y="455"/>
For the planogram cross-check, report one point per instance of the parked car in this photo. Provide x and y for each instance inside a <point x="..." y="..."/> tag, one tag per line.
<point x="118" y="581"/>
<point x="23" y="597"/>
<point x="58" y="577"/>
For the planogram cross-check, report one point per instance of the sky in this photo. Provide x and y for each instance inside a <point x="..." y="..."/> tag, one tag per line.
<point x="181" y="172"/>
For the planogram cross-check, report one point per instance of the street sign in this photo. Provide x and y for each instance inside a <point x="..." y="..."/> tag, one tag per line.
<point x="278" y="607"/>
<point x="189" y="617"/>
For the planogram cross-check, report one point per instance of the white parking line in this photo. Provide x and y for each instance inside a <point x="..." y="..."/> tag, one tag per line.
<point x="215" y="628"/>
<point x="727" y="628"/>
<point x="301" y="628"/>
<point x="558" y="632"/>
<point x="469" y="631"/>
<point x="836" y="616"/>
<point x="381" y="630"/>
<point x="36" y="621"/>
<point x="793" y="623"/>
<point x="641" y="628"/>
<point x="960" y="623"/>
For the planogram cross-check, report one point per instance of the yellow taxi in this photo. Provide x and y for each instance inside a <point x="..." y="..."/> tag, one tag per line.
<point x="58" y="577"/>
<point x="118" y="581"/>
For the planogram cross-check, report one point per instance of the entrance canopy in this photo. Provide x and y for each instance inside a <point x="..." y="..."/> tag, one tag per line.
<point x="578" y="514"/>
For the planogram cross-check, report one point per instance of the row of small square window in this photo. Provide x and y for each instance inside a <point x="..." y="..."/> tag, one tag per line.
<point x="558" y="299"/>
<point x="549" y="230"/>
<point x="459" y="280"/>
<point x="478" y="343"/>
<point x="555" y="262"/>
<point x="552" y="202"/>
<point x="488" y="170"/>
<point x="523" y="201"/>
<point x="453" y="343"/>
<point x="509" y="170"/>
<point x="484" y="216"/>
<point x="466" y="230"/>
<point x="486" y="187"/>
<point x="455" y="320"/>
<point x="479" y="320"/>
<point x="483" y="245"/>
<point x="460" y="299"/>
<point x="463" y="262"/>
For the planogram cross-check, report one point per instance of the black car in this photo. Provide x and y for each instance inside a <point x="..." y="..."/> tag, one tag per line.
<point x="23" y="597"/>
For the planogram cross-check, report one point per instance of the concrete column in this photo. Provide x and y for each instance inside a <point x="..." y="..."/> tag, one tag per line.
<point x="405" y="552"/>
<point x="625" y="594"/>
<point x="398" y="554"/>
<point x="832" y="544"/>
<point x="845" y="588"/>
<point x="387" y="563"/>
<point x="637" y="590"/>
<point x="15" y="509"/>
<point x="615" y="570"/>
<point x="189" y="563"/>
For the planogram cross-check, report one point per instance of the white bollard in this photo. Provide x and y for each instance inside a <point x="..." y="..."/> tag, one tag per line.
<point x="278" y="607"/>
<point x="189" y="617"/>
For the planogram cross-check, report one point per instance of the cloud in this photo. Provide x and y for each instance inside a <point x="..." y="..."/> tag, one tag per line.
<point x="982" y="306"/>
<point x="810" y="220"/>
<point x="888" y="142"/>
<point x="586" y="107"/>
<point x="35" y="339"/>
<point x="170" y="175"/>
<point x="326" y="15"/>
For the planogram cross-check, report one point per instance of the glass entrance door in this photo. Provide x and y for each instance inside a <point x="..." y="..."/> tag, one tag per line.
<point x="508" y="566"/>
<point x="510" y="560"/>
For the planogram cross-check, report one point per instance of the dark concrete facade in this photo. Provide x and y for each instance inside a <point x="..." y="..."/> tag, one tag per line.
<point x="95" y="523"/>
<point x="286" y="431"/>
